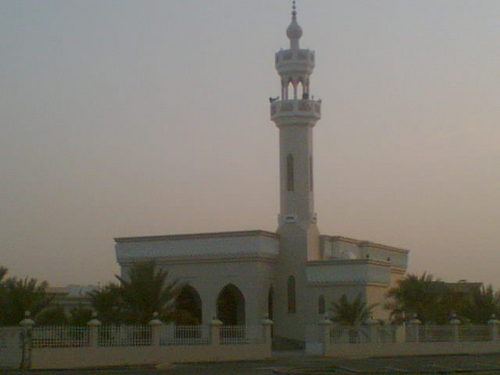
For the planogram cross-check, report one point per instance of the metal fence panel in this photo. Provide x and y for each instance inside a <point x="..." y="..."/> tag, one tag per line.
<point x="124" y="336"/>
<point x="59" y="337"/>
<point x="184" y="335"/>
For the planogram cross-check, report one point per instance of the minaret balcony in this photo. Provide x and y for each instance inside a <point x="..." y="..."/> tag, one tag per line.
<point x="296" y="109"/>
<point x="295" y="61"/>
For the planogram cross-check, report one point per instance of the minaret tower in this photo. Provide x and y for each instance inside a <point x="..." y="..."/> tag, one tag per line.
<point x="295" y="114"/>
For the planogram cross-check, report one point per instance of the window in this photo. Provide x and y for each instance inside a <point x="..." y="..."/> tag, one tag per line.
<point x="321" y="305"/>
<point x="292" y="308"/>
<point x="310" y="173"/>
<point x="290" y="179"/>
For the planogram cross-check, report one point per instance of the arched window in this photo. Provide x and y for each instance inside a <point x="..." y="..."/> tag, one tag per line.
<point x="321" y="305"/>
<point x="292" y="305"/>
<point x="290" y="179"/>
<point x="270" y="303"/>
<point x="311" y="173"/>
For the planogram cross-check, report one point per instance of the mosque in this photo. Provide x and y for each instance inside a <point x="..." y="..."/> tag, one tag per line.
<point x="292" y="275"/>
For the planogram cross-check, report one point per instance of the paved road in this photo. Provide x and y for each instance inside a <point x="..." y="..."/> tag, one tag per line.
<point x="296" y="364"/>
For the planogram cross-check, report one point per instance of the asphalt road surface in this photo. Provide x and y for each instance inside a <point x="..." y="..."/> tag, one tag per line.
<point x="297" y="364"/>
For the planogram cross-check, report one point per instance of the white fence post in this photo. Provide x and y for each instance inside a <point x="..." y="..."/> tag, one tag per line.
<point x="373" y="329"/>
<point x="455" y="322"/>
<point x="267" y="325"/>
<point x="155" y="325"/>
<point x="27" y="324"/>
<point x="493" y="323"/>
<point x="414" y="326"/>
<point x="215" y="328"/>
<point x="94" y="325"/>
<point x="400" y="334"/>
<point x="326" y="330"/>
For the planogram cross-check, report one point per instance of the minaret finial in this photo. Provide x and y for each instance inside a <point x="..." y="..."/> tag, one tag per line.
<point x="294" y="32"/>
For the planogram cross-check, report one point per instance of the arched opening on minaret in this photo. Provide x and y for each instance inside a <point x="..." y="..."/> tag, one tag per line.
<point x="291" y="294"/>
<point x="289" y="92"/>
<point x="290" y="178"/>
<point x="302" y="91"/>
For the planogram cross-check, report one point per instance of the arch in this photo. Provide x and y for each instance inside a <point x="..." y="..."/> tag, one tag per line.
<point x="188" y="307"/>
<point x="231" y="306"/>
<point x="302" y="90"/>
<point x="291" y="294"/>
<point x="289" y="89"/>
<point x="321" y="305"/>
<point x="290" y="177"/>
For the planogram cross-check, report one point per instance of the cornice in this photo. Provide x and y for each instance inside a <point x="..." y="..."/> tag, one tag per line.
<point x="346" y="283"/>
<point x="249" y="233"/>
<point x="362" y="243"/>
<point x="197" y="259"/>
<point x="345" y="262"/>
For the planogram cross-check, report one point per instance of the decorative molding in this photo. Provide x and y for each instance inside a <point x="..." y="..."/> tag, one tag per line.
<point x="363" y="243"/>
<point x="249" y="233"/>
<point x="195" y="259"/>
<point x="312" y="284"/>
<point x="344" y="262"/>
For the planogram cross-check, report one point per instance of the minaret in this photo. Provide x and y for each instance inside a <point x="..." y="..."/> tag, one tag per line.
<point x="295" y="114"/>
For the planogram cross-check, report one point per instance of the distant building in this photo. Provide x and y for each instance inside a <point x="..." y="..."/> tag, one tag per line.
<point x="294" y="274"/>
<point x="71" y="296"/>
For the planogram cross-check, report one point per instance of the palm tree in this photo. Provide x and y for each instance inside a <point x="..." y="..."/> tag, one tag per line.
<point x="430" y="299"/>
<point x="52" y="316"/>
<point x="482" y="305"/>
<point x="107" y="302"/>
<point x="146" y="290"/>
<point x="351" y="313"/>
<point x="3" y="272"/>
<point x="20" y="295"/>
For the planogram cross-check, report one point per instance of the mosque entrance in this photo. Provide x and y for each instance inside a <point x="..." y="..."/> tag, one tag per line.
<point x="231" y="306"/>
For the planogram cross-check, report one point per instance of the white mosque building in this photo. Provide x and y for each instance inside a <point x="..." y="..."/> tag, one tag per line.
<point x="291" y="275"/>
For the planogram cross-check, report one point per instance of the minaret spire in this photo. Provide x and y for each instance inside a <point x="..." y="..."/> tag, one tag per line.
<point x="294" y="31"/>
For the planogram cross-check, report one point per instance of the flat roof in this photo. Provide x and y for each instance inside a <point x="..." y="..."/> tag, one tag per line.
<point x="246" y="233"/>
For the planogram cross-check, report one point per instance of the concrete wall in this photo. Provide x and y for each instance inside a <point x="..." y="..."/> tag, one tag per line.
<point x="411" y="348"/>
<point x="88" y="357"/>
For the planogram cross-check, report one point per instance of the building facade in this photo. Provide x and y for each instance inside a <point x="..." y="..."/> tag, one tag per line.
<point x="291" y="275"/>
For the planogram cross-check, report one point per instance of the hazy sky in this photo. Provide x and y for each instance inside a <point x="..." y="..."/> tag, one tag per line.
<point x="125" y="118"/>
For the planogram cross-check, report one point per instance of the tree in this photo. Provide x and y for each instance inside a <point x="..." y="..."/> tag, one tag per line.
<point x="142" y="292"/>
<point x="481" y="305"/>
<point x="52" y="316"/>
<point x="107" y="302"/>
<point x="20" y="295"/>
<point x="351" y="313"/>
<point x="430" y="299"/>
<point x="147" y="290"/>
<point x="80" y="316"/>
